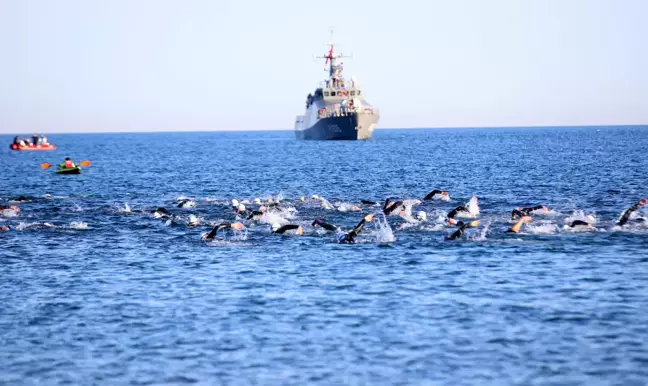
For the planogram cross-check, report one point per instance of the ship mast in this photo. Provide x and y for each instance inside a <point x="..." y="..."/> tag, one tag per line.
<point x="331" y="57"/>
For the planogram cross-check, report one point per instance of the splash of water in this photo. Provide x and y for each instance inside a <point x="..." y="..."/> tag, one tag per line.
<point x="383" y="232"/>
<point x="473" y="206"/>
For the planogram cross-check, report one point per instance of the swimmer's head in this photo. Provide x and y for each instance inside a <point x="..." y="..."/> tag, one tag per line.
<point x="275" y="226"/>
<point x="643" y="202"/>
<point x="257" y="201"/>
<point x="452" y="221"/>
<point x="315" y="197"/>
<point x="235" y="202"/>
<point x="5" y="228"/>
<point x="237" y="226"/>
<point x="421" y="215"/>
<point x="316" y="222"/>
<point x="302" y="199"/>
<point x="241" y="208"/>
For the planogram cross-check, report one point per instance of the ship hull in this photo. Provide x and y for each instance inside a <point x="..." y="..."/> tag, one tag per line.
<point x="351" y="127"/>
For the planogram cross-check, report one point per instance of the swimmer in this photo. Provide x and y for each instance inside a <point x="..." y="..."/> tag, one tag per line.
<point x="327" y="226"/>
<point x="10" y="207"/>
<point x="626" y="215"/>
<point x="462" y="228"/>
<point x="458" y="210"/>
<point x="186" y="203"/>
<point x="240" y="210"/>
<point x="5" y="228"/>
<point x="576" y="223"/>
<point x="255" y="214"/>
<point x="518" y="225"/>
<point x="442" y="195"/>
<point x="210" y="236"/>
<point x="280" y="230"/>
<point x="421" y="215"/>
<point x="21" y="199"/>
<point x="367" y="202"/>
<point x="521" y="212"/>
<point x="349" y="237"/>
<point x="389" y="207"/>
<point x="161" y="213"/>
<point x="193" y="221"/>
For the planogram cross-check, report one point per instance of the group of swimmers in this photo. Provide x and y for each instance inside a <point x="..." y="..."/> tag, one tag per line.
<point x="37" y="140"/>
<point x="389" y="207"/>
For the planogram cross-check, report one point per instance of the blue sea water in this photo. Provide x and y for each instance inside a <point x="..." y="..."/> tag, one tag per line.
<point x="94" y="293"/>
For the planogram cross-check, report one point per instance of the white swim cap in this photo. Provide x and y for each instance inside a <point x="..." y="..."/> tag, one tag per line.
<point x="235" y="202"/>
<point x="257" y="201"/>
<point x="241" y="208"/>
<point x="421" y="215"/>
<point x="275" y="226"/>
<point x="193" y="219"/>
<point x="315" y="196"/>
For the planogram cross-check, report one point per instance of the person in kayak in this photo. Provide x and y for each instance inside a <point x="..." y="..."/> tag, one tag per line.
<point x="212" y="234"/>
<point x="36" y="139"/>
<point x="626" y="215"/>
<point x="17" y="141"/>
<point x="68" y="164"/>
<point x="521" y="212"/>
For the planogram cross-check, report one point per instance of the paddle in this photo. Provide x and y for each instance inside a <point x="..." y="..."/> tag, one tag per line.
<point x="82" y="163"/>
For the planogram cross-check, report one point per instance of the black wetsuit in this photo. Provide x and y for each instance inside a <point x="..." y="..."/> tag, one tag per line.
<point x="217" y="228"/>
<point x="578" y="222"/>
<point x="327" y="226"/>
<point x="458" y="233"/>
<point x="456" y="210"/>
<point x="285" y="228"/>
<point x="367" y="202"/>
<point x="524" y="211"/>
<point x="183" y="202"/>
<point x="390" y="206"/>
<point x="254" y="214"/>
<point x="349" y="237"/>
<point x="432" y="194"/>
<point x="626" y="215"/>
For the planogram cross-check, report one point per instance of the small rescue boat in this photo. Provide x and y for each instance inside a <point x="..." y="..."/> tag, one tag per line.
<point x="32" y="147"/>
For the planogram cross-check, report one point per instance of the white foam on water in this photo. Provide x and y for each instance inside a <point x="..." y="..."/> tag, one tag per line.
<point x="9" y="213"/>
<point x="481" y="236"/>
<point x="79" y="225"/>
<point x="125" y="209"/>
<point x="580" y="215"/>
<point x="541" y="229"/>
<point x="383" y="232"/>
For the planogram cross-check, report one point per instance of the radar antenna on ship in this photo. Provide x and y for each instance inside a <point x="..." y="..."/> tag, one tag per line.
<point x="331" y="58"/>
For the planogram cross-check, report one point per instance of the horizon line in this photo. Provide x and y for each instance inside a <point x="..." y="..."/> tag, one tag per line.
<point x="290" y="130"/>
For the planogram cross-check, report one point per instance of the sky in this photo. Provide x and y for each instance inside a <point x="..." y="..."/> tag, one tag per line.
<point x="154" y="65"/>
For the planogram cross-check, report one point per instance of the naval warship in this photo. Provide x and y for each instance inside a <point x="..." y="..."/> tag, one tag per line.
<point x="337" y="109"/>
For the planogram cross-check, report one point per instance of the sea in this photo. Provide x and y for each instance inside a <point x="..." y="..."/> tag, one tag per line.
<point x="97" y="290"/>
